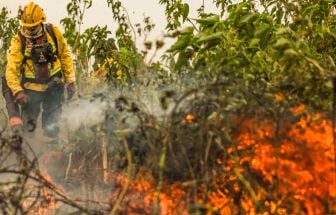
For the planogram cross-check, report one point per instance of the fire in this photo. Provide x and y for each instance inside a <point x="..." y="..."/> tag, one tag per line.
<point x="188" y="119"/>
<point x="286" y="171"/>
<point x="47" y="202"/>
<point x="142" y="196"/>
<point x="52" y="155"/>
<point x="300" y="167"/>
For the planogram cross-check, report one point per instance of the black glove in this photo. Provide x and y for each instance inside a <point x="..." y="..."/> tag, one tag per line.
<point x="21" y="98"/>
<point x="71" y="90"/>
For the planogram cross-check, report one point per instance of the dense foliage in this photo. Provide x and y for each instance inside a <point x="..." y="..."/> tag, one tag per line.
<point x="8" y="27"/>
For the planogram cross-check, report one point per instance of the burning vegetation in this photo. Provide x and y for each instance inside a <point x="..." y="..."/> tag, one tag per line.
<point x="197" y="159"/>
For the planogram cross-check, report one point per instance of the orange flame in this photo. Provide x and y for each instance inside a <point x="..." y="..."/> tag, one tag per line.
<point x="48" y="203"/>
<point x="142" y="196"/>
<point x="298" y="161"/>
<point x="302" y="165"/>
<point x="294" y="163"/>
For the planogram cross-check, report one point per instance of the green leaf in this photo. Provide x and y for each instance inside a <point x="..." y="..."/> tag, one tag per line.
<point x="187" y="30"/>
<point x="290" y="53"/>
<point x="282" y="30"/>
<point x="262" y="31"/>
<point x="248" y="18"/>
<point x="282" y="42"/>
<point x="182" y="61"/>
<point x="254" y="42"/>
<point x="209" y="37"/>
<point x="185" y="11"/>
<point x="211" y="20"/>
<point x="181" y="43"/>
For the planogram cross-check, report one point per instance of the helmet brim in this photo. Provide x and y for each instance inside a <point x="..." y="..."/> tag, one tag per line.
<point x="28" y="25"/>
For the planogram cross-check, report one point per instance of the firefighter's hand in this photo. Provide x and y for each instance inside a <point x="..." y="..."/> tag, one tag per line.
<point x="71" y="90"/>
<point x="21" y="98"/>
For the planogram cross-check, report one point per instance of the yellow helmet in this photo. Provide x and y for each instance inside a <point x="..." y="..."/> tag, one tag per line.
<point x="32" y="15"/>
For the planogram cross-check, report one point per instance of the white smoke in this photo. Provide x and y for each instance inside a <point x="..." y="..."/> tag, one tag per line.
<point x="80" y="112"/>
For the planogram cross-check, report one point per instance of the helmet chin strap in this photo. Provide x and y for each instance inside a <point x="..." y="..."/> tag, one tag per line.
<point x="32" y="34"/>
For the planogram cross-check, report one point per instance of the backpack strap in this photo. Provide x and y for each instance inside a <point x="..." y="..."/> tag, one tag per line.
<point x="50" y="31"/>
<point x="23" y="46"/>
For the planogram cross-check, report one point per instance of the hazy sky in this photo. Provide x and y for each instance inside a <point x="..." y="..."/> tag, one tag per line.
<point x="100" y="14"/>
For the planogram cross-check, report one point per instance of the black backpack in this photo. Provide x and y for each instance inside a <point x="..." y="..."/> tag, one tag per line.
<point x="50" y="31"/>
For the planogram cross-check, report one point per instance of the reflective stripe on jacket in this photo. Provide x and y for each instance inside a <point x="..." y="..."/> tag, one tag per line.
<point x="15" y="62"/>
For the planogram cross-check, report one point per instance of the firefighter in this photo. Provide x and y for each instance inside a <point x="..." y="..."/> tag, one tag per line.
<point x="39" y="69"/>
<point x="105" y="66"/>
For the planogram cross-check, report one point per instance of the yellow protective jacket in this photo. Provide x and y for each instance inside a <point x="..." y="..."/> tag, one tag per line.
<point x="15" y="63"/>
<point x="102" y="70"/>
